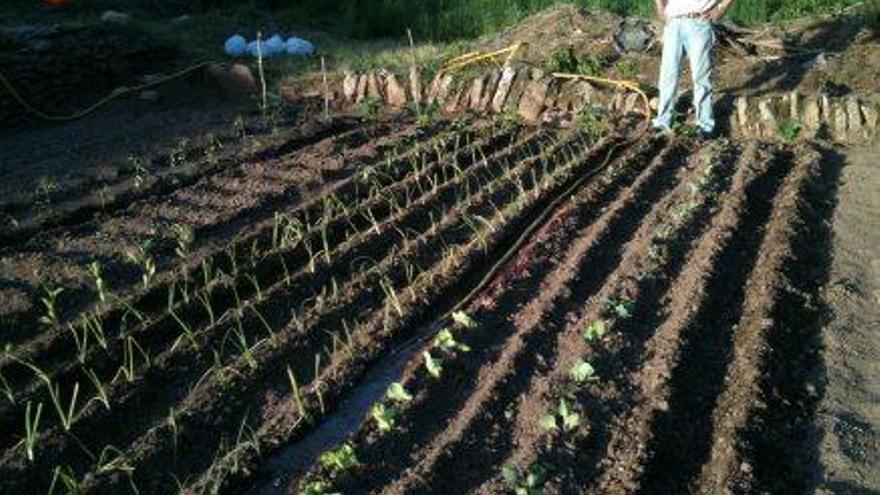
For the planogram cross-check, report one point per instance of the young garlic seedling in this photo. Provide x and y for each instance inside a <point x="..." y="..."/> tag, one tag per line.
<point x="31" y="429"/>
<point x="140" y="256"/>
<point x="100" y="285"/>
<point x="50" y="302"/>
<point x="183" y="237"/>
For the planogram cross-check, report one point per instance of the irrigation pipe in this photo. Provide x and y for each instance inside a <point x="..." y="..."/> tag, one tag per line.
<point x="9" y="88"/>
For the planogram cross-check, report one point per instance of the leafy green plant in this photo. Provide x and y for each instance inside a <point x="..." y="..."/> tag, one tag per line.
<point x="562" y="59"/>
<point x="463" y="320"/>
<point x="316" y="488"/>
<point x="789" y="130"/>
<point x="368" y="108"/>
<point x="385" y="416"/>
<point x="595" y="330"/>
<point x="563" y="418"/>
<point x="621" y="307"/>
<point x="339" y="459"/>
<point x="398" y="393"/>
<point x="433" y="365"/>
<point x="583" y="372"/>
<point x="445" y="340"/>
<point x="526" y="482"/>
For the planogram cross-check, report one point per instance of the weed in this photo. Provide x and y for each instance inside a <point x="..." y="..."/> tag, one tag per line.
<point x="433" y="365"/>
<point x="595" y="330"/>
<point x="562" y="59"/>
<point x="583" y="372"/>
<point x="789" y="130"/>
<point x="139" y="170"/>
<point x="398" y="393"/>
<point x="368" y="108"/>
<point x="339" y="459"/>
<point x="627" y="68"/>
<point x="528" y="482"/>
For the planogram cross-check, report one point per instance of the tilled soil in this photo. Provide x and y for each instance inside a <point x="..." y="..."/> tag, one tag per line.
<point x="633" y="343"/>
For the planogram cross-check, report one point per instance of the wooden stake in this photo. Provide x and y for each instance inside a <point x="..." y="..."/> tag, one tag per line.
<point x="326" y="90"/>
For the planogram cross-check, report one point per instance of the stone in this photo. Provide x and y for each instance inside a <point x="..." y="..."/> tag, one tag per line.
<point x="584" y="95"/>
<point x="149" y="95"/>
<point x="839" y="122"/>
<point x="489" y="89"/>
<point x="415" y="84"/>
<point x="475" y="94"/>
<point x="395" y="94"/>
<point x="237" y="79"/>
<point x="114" y="17"/>
<point x="742" y="112"/>
<point x="871" y="116"/>
<point x="434" y="89"/>
<point x="826" y="107"/>
<point x="505" y="82"/>
<point x="451" y="103"/>
<point x="532" y="103"/>
<point x="361" y="88"/>
<point x="443" y="89"/>
<point x="630" y="104"/>
<point x="854" y="114"/>
<point x="350" y="86"/>
<point x="812" y="117"/>
<point x="794" y="102"/>
<point x="769" y="124"/>
<point x="374" y="90"/>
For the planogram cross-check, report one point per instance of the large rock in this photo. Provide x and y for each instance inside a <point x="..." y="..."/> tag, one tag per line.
<point x="475" y="94"/>
<point x="769" y="123"/>
<point x="533" y="101"/>
<point x="237" y="79"/>
<point x="361" y="88"/>
<point x="504" y="85"/>
<point x="350" y="86"/>
<point x="871" y="116"/>
<point x="812" y="117"/>
<point x="839" y="124"/>
<point x="489" y="90"/>
<point x="415" y="84"/>
<point x="395" y="93"/>
<point x="453" y="99"/>
<point x="854" y="115"/>
<point x="374" y="89"/>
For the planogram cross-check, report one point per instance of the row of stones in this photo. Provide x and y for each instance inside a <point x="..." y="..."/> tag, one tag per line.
<point x="538" y="97"/>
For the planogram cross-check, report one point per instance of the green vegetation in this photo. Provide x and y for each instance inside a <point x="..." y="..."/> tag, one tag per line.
<point x="527" y="482"/>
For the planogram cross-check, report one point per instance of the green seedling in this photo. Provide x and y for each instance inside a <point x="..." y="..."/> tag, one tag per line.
<point x="445" y="340"/>
<point x="398" y="393"/>
<point x="7" y="390"/>
<point x="50" y="304"/>
<point x="583" y="372"/>
<point x="463" y="320"/>
<point x="140" y="256"/>
<point x="391" y="296"/>
<point x="100" y="390"/>
<point x="113" y="460"/>
<point x="297" y="395"/>
<point x="563" y="418"/>
<point x="100" y="285"/>
<point x="71" y="485"/>
<point x="339" y="459"/>
<point x="595" y="330"/>
<point x="790" y="130"/>
<point x="621" y="307"/>
<point x="183" y="238"/>
<point x="528" y="482"/>
<point x="316" y="488"/>
<point x="385" y="416"/>
<point x="31" y="428"/>
<point x="81" y="341"/>
<point x="433" y="365"/>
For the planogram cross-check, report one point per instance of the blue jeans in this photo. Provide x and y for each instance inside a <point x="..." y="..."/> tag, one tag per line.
<point x="696" y="38"/>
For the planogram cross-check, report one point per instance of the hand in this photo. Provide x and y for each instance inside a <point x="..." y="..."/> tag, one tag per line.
<point x="713" y="15"/>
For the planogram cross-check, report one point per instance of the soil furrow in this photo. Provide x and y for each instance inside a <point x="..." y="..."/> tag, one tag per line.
<point x="702" y="306"/>
<point x="723" y="471"/>
<point x="651" y="257"/>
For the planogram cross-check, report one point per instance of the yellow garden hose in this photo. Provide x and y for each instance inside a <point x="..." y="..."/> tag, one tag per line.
<point x="9" y="88"/>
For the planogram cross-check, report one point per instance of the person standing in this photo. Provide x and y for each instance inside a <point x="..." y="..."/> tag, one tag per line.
<point x="688" y="30"/>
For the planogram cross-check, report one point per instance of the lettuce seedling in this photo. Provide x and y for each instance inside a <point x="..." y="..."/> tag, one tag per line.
<point x="595" y="330"/>
<point x="445" y="340"/>
<point x="397" y="393"/>
<point x="463" y="320"/>
<point x="583" y="372"/>
<point x="433" y="365"/>
<point x="339" y="459"/>
<point x="528" y="482"/>
<point x="385" y="416"/>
